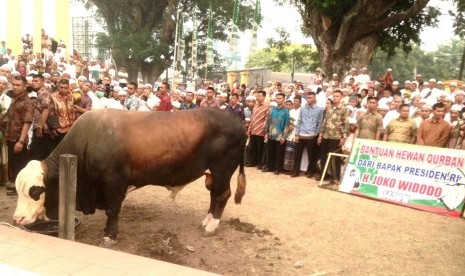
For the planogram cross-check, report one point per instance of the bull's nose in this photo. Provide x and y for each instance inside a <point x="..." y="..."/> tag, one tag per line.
<point x="18" y="220"/>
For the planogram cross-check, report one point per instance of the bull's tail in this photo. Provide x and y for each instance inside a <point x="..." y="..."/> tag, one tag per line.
<point x="241" y="183"/>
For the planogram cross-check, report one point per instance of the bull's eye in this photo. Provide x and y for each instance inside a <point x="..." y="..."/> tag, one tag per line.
<point x="36" y="191"/>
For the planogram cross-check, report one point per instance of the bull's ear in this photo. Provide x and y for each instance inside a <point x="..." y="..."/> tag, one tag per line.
<point x="36" y="191"/>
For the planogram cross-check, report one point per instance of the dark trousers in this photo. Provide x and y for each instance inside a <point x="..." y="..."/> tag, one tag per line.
<point x="16" y="161"/>
<point x="59" y="137"/>
<point x="41" y="147"/>
<point x="327" y="146"/>
<point x="256" y="150"/>
<point x="275" y="155"/>
<point x="312" y="152"/>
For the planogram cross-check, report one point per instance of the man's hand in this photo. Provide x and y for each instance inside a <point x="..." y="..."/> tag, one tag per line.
<point x="341" y="142"/>
<point x="282" y="140"/>
<point x="319" y="140"/>
<point x="18" y="147"/>
<point x="39" y="132"/>
<point x="296" y="139"/>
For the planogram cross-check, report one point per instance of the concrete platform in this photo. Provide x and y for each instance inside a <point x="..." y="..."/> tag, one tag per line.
<point x="24" y="253"/>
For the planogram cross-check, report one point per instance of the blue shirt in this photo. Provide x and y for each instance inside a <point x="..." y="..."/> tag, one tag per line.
<point x="278" y="122"/>
<point x="310" y="120"/>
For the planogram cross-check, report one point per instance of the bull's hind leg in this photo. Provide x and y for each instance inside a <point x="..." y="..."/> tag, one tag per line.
<point x="113" y="201"/>
<point x="219" y="195"/>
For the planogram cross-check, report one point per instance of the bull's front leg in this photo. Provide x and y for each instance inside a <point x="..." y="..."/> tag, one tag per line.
<point x="111" y="227"/>
<point x="218" y="199"/>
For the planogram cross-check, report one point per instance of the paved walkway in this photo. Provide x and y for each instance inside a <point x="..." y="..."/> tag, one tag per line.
<point x="24" y="253"/>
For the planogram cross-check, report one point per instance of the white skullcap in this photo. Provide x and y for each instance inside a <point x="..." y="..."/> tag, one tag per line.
<point x="318" y="69"/>
<point x="5" y="67"/>
<point x="200" y="92"/>
<point x="364" y="68"/>
<point x="432" y="80"/>
<point x="117" y="88"/>
<point x="224" y="94"/>
<point x="250" y="98"/>
<point x="352" y="121"/>
<point x="72" y="81"/>
<point x="389" y="70"/>
<point x="383" y="106"/>
<point x="426" y="106"/>
<point x="176" y="104"/>
<point x="460" y="92"/>
<point x="82" y="78"/>
<point x="456" y="107"/>
<point x="453" y="83"/>
<point x="125" y="88"/>
<point x="300" y="92"/>
<point x="4" y="79"/>
<point x="325" y="84"/>
<point x="114" y="83"/>
<point x="29" y="79"/>
<point x="407" y="81"/>
<point x="46" y="75"/>
<point x="353" y="69"/>
<point x="449" y="98"/>
<point x="395" y="83"/>
<point x="440" y="82"/>
<point x="32" y="72"/>
<point x="334" y="75"/>
<point x="269" y="82"/>
<point x="122" y="93"/>
<point x="148" y="85"/>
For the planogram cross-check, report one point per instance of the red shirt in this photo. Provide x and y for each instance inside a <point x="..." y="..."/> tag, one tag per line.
<point x="165" y="103"/>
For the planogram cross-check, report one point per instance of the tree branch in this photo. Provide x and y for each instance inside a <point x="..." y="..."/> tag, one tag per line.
<point x="346" y="23"/>
<point x="400" y="16"/>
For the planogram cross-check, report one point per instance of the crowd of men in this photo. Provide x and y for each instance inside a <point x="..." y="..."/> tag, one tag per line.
<point x="292" y="127"/>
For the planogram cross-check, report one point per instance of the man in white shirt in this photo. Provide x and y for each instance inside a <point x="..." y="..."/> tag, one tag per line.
<point x="430" y="93"/>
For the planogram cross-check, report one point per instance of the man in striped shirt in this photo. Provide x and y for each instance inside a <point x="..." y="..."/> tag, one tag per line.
<point x="256" y="130"/>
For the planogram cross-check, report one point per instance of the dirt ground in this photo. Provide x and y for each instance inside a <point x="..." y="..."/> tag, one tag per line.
<point x="284" y="226"/>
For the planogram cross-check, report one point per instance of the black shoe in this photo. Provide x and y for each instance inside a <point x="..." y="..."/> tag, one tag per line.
<point x="319" y="177"/>
<point x="265" y="169"/>
<point x="294" y="174"/>
<point x="276" y="172"/>
<point x="249" y="165"/>
<point x="310" y="175"/>
<point x="12" y="193"/>
<point x="11" y="188"/>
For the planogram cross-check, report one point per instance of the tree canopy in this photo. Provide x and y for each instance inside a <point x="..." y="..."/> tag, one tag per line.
<point x="347" y="32"/>
<point x="140" y="33"/>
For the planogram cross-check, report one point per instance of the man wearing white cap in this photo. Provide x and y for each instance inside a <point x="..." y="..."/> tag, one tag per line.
<point x="363" y="78"/>
<point x="425" y="113"/>
<point x="459" y="98"/>
<point x="352" y="74"/>
<point x="431" y="93"/>
<point x="453" y="88"/>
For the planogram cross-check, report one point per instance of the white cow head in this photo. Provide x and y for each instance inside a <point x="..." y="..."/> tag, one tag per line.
<point x="31" y="194"/>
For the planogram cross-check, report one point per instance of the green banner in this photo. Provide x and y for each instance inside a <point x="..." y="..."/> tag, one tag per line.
<point x="426" y="178"/>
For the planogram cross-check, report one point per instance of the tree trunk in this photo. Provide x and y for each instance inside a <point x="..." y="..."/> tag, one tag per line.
<point x="462" y="64"/>
<point x="358" y="56"/>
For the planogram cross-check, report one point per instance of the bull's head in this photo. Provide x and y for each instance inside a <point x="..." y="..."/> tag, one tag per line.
<point x="31" y="194"/>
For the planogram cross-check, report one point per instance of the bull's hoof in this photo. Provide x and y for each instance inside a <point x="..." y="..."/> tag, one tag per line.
<point x="211" y="228"/>
<point x="206" y="220"/>
<point x="107" y="242"/>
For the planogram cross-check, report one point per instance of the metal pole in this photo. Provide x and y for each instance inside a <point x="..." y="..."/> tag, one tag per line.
<point x="175" y="46"/>
<point x="67" y="201"/>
